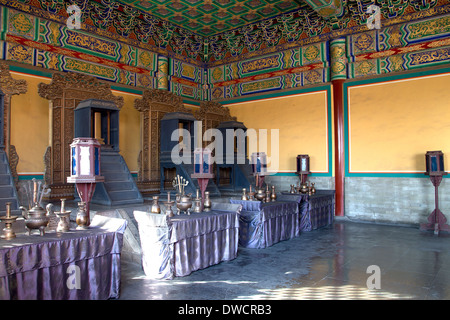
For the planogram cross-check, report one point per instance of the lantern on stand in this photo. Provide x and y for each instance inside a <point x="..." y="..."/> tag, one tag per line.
<point x="434" y="161"/>
<point x="202" y="169"/>
<point x="259" y="167"/>
<point x="85" y="173"/>
<point x="303" y="171"/>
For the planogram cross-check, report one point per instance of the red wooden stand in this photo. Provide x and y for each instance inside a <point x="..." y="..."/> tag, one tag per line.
<point x="436" y="220"/>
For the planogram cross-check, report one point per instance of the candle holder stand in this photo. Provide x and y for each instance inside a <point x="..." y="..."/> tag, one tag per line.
<point x="8" y="232"/>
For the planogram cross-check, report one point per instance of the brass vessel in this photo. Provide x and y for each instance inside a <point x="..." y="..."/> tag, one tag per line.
<point x="303" y="188"/>
<point x="8" y="232"/>
<point x="169" y="211"/>
<point x="251" y="194"/>
<point x="273" y="195"/>
<point x="293" y="189"/>
<point x="82" y="218"/>
<point x="260" y="194"/>
<point x="207" y="203"/>
<point x="36" y="218"/>
<point x="198" y="203"/>
<point x="267" y="198"/>
<point x="244" y="194"/>
<point x="64" y="218"/>
<point x="169" y="205"/>
<point x="184" y="204"/>
<point x="155" y="208"/>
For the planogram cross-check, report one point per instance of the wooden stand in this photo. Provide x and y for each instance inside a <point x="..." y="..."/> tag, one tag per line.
<point x="436" y="220"/>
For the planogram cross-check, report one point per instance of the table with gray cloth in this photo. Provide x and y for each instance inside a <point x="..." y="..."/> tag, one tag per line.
<point x="316" y="210"/>
<point x="79" y="264"/>
<point x="264" y="224"/>
<point x="177" y="246"/>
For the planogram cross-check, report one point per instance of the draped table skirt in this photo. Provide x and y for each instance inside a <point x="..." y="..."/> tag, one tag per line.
<point x="316" y="211"/>
<point x="264" y="224"/>
<point x="79" y="264"/>
<point x="177" y="246"/>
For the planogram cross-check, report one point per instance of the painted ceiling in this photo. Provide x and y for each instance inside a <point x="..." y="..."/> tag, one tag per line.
<point x="213" y="32"/>
<point x="209" y="17"/>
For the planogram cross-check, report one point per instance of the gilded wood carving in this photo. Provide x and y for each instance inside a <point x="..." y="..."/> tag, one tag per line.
<point x="10" y="87"/>
<point x="65" y="92"/>
<point x="153" y="106"/>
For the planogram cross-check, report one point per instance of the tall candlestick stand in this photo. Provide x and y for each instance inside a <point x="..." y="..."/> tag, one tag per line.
<point x="434" y="163"/>
<point x="436" y="220"/>
<point x="8" y="232"/>
<point x="85" y="173"/>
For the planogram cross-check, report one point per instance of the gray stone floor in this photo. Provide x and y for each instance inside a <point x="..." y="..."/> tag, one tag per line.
<point x="329" y="263"/>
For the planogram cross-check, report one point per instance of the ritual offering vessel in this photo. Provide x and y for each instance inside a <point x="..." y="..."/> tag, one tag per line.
<point x="313" y="188"/>
<point x="207" y="203"/>
<point x="8" y="232"/>
<point x="244" y="194"/>
<point x="64" y="218"/>
<point x="184" y="204"/>
<point x="260" y="194"/>
<point x="36" y="218"/>
<point x="198" y="203"/>
<point x="82" y="217"/>
<point x="273" y="195"/>
<point x="169" y="205"/>
<point x="155" y="205"/>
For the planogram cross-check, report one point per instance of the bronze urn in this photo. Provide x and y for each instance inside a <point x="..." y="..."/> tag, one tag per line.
<point x="184" y="204"/>
<point x="36" y="218"/>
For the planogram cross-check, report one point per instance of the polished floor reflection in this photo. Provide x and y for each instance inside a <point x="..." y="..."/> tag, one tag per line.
<point x="330" y="263"/>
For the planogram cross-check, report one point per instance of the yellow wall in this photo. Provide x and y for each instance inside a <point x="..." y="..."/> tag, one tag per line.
<point x="302" y="120"/>
<point x="29" y="125"/>
<point x="393" y="124"/>
<point x="129" y="130"/>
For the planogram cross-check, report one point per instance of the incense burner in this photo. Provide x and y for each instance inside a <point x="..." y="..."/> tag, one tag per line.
<point x="36" y="218"/>
<point x="184" y="204"/>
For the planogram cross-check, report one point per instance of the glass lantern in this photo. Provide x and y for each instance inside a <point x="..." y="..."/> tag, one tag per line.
<point x="85" y="161"/>
<point x="434" y="161"/>
<point x="303" y="164"/>
<point x="202" y="161"/>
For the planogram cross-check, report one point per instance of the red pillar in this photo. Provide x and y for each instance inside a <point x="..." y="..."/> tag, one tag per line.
<point x="338" y="72"/>
<point x="339" y="147"/>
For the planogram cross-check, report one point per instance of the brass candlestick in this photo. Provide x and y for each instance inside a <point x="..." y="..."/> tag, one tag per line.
<point x="251" y="194"/>
<point x="244" y="194"/>
<point x="64" y="218"/>
<point x="8" y="232"/>
<point x="198" y="203"/>
<point x="273" y="195"/>
<point x="169" y="204"/>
